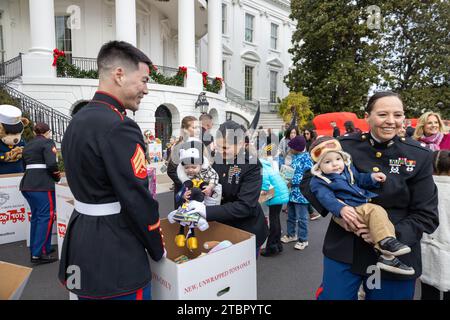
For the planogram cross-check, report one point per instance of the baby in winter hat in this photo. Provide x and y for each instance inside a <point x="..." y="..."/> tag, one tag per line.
<point x="195" y="171"/>
<point x="342" y="190"/>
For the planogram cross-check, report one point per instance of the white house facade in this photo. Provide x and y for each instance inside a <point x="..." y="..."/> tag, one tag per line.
<point x="245" y="42"/>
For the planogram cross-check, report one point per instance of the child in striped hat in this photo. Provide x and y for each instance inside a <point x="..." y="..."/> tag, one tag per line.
<point x="341" y="189"/>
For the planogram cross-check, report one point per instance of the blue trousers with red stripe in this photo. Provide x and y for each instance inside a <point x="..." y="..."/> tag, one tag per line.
<point x="42" y="206"/>
<point x="339" y="283"/>
<point x="141" y="294"/>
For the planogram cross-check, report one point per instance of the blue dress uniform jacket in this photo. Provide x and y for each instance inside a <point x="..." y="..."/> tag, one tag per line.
<point x="241" y="187"/>
<point x="10" y="167"/>
<point x="409" y="196"/>
<point x="105" y="163"/>
<point x="40" y="150"/>
<point x="341" y="188"/>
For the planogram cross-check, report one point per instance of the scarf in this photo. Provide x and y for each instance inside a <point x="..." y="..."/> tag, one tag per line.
<point x="433" y="141"/>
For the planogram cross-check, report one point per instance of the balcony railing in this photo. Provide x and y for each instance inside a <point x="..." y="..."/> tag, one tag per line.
<point x="239" y="98"/>
<point x="85" y="64"/>
<point x="39" y="112"/>
<point x="87" y="68"/>
<point x="11" y="69"/>
<point x="270" y="106"/>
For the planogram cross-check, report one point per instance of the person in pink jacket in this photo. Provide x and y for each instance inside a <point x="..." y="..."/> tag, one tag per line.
<point x="430" y="130"/>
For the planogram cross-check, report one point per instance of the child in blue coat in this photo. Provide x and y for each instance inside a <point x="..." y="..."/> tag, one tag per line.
<point x="298" y="205"/>
<point x="273" y="179"/>
<point x="341" y="189"/>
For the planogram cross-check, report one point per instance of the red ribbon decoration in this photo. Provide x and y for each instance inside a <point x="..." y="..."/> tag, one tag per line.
<point x="56" y="55"/>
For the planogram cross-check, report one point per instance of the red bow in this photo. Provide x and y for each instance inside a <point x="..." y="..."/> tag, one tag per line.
<point x="205" y="75"/>
<point x="56" y="55"/>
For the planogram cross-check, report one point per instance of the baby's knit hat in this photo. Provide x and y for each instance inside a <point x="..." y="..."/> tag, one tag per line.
<point x="191" y="152"/>
<point x="320" y="147"/>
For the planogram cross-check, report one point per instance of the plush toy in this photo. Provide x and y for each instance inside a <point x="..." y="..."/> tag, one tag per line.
<point x="190" y="220"/>
<point x="11" y="143"/>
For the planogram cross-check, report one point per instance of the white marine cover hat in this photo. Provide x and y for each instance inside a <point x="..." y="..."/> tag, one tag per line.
<point x="11" y="119"/>
<point x="9" y="114"/>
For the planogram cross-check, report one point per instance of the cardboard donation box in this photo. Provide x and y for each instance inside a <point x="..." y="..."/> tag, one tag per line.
<point x="64" y="207"/>
<point x="14" y="210"/>
<point x="13" y="279"/>
<point x="228" y="274"/>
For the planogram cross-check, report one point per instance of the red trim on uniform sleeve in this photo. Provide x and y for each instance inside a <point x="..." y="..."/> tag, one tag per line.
<point x="319" y="292"/>
<point x="138" y="163"/>
<point x="154" y="226"/>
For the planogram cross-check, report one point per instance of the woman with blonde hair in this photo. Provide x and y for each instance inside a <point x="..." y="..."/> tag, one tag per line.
<point x="430" y="130"/>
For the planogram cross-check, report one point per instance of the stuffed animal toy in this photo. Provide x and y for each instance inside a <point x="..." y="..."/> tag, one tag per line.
<point x="12" y="125"/>
<point x="190" y="220"/>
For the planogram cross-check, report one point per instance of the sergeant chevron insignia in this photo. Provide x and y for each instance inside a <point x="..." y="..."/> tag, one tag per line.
<point x="138" y="163"/>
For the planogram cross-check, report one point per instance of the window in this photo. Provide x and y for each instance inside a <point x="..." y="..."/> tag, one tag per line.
<point x="273" y="35"/>
<point x="224" y="18"/>
<point x="249" y="27"/>
<point x="273" y="86"/>
<point x="248" y="82"/>
<point x="63" y="36"/>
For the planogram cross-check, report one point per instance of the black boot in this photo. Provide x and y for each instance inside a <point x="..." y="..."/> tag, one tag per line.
<point x="43" y="259"/>
<point x="269" y="252"/>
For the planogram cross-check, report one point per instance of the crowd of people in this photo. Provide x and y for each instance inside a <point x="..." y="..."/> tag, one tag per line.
<point x="359" y="178"/>
<point x="381" y="188"/>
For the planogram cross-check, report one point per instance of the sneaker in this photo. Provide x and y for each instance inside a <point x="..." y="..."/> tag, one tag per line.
<point x="314" y="216"/>
<point x="287" y="239"/>
<point x="392" y="246"/>
<point x="394" y="265"/>
<point x="301" y="245"/>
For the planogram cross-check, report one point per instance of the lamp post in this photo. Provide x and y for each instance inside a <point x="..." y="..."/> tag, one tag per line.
<point x="202" y="102"/>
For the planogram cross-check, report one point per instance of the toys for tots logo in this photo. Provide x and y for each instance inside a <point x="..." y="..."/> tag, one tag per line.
<point x="13" y="215"/>
<point x="62" y="230"/>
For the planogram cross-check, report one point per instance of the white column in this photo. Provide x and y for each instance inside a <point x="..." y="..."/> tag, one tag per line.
<point x="126" y="21"/>
<point x="186" y="33"/>
<point x="38" y="62"/>
<point x="186" y="43"/>
<point x="42" y="26"/>
<point x="215" y="38"/>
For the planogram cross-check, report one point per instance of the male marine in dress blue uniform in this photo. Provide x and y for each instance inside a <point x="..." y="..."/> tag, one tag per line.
<point x="115" y="222"/>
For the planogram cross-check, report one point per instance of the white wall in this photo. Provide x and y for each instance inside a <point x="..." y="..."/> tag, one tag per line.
<point x="15" y="22"/>
<point x="265" y="13"/>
